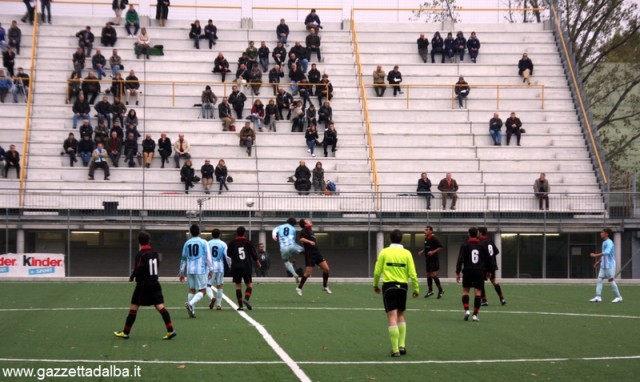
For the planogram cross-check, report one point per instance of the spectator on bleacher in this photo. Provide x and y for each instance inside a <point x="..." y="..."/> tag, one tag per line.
<point x="242" y="74"/>
<point x="103" y="110"/>
<point x="311" y="115"/>
<point x="162" y="11"/>
<point x="313" y="44"/>
<point x="263" y="56"/>
<point x="108" y="36"/>
<point x="211" y="33"/>
<point x="423" y="47"/>
<point x="130" y="150"/>
<point x="118" y="6"/>
<point x="86" y="129"/>
<point x="3" y="42"/>
<point x="116" y="128"/>
<point x="295" y="75"/>
<point x="143" y="44"/>
<point x="131" y="19"/>
<point x="81" y="110"/>
<point x="282" y="32"/>
<point x="325" y="114"/>
<point x="237" y="99"/>
<point x="115" y="61"/>
<point x="196" y="33"/>
<point x="221" y="175"/>
<point x="462" y="90"/>
<point x="437" y="47"/>
<point x="513" y="126"/>
<point x="304" y="88"/>
<point x="132" y="86"/>
<point x="114" y="146"/>
<point x="181" y="149"/>
<point x="12" y="160"/>
<point x="30" y="14"/>
<point x="9" y="60"/>
<point x="449" y="47"/>
<point x="271" y="115"/>
<point x="495" y="126"/>
<point x="257" y="114"/>
<point x="2" y="161"/>
<point x="209" y="101"/>
<point x="255" y="79"/>
<point x="324" y="89"/>
<point x="14" y="36"/>
<point x="131" y="118"/>
<point x="318" y="178"/>
<point x="541" y="190"/>
<point x="206" y="172"/>
<point x="330" y="139"/>
<point x="74" y="86"/>
<point x="461" y="45"/>
<point x="221" y="65"/>
<point x="117" y="86"/>
<point x="91" y="87"/>
<point x="224" y="113"/>
<point x="187" y="175"/>
<point x="312" y="21"/>
<point x="297" y="123"/>
<point x="311" y="137"/>
<point x="314" y="76"/>
<point x="85" y="40"/>
<point x="473" y="44"/>
<point x="424" y="188"/>
<point x="118" y="111"/>
<point x="247" y="137"/>
<point x="301" y="54"/>
<point x="101" y="132"/>
<point x="302" y="179"/>
<point x="78" y="60"/>
<point x="274" y="78"/>
<point x="395" y="79"/>
<point x="279" y="54"/>
<point x="20" y="85"/>
<point x="132" y="129"/>
<point x="148" y="149"/>
<point x="164" y="148"/>
<point x="252" y="54"/>
<point x="98" y="62"/>
<point x="99" y="159"/>
<point x="379" y="76"/>
<point x="525" y="68"/>
<point x="70" y="147"/>
<point x="448" y="188"/>
<point x="45" y="5"/>
<point x="85" y="149"/>
<point x="5" y="85"/>
<point x="284" y="100"/>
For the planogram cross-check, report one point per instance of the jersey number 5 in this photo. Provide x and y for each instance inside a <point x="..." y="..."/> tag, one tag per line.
<point x="241" y="254"/>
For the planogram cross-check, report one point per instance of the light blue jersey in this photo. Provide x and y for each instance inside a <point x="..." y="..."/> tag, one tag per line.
<point x="608" y="255"/>
<point x="218" y="250"/>
<point x="196" y="257"/>
<point x="286" y="235"/>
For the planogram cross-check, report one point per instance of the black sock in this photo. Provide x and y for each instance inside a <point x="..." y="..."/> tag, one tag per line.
<point x="325" y="279"/>
<point x="131" y="318"/>
<point x="167" y="319"/>
<point x="302" y="281"/>
<point x="483" y="294"/>
<point x="247" y="293"/>
<point x="430" y="283"/>
<point x="476" y="305"/>
<point x="437" y="281"/>
<point x="498" y="291"/>
<point x="239" y="297"/>
<point x="465" y="301"/>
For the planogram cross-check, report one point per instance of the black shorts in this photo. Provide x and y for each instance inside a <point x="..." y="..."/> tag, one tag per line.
<point x="433" y="263"/>
<point x="394" y="296"/>
<point x="472" y="279"/>
<point x="311" y="260"/>
<point x="147" y="293"/>
<point x="491" y="275"/>
<point x="241" y="274"/>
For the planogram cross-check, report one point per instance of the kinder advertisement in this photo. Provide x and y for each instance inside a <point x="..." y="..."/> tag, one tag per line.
<point x="32" y="265"/>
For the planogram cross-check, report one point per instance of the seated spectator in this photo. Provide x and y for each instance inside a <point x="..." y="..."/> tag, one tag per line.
<point x="423" y="47"/>
<point x="98" y="62"/>
<point x="181" y="148"/>
<point x="5" y="85"/>
<point x="325" y="114"/>
<point x="424" y="188"/>
<point x="525" y="68"/>
<point x="243" y="60"/>
<point x="314" y="76"/>
<point x="9" y="61"/>
<point x="115" y="61"/>
<point x="449" y="47"/>
<point x="99" y="160"/>
<point x="101" y="132"/>
<point x="275" y="75"/>
<point x="284" y="101"/>
<point x="130" y="150"/>
<point x="247" y="137"/>
<point x="109" y="36"/>
<point x="12" y="160"/>
<point x="318" y="178"/>
<point x="103" y="110"/>
<point x="304" y="88"/>
<point x="282" y="32"/>
<point x="131" y="128"/>
<point x="118" y="111"/>
<point x="330" y="139"/>
<point x="263" y="56"/>
<point x="495" y="126"/>
<point x="311" y="115"/>
<point x="74" y="86"/>
<point x="114" y="147"/>
<point x="85" y="149"/>
<point x="81" y="110"/>
<point x="86" y="129"/>
<point x="116" y="128"/>
<point x="379" y="76"/>
<point x="437" y="47"/>
<point x="131" y="20"/>
<point x="473" y="44"/>
<point x="295" y="75"/>
<point x="513" y="126"/>
<point x="313" y="44"/>
<point x="3" y="42"/>
<point x="257" y="114"/>
<point x="252" y="54"/>
<point x="311" y="137"/>
<point x="271" y="115"/>
<point x="208" y="100"/>
<point x="312" y="21"/>
<point x="301" y="54"/>
<point x="224" y="113"/>
<point x="78" y="60"/>
<point x="221" y="175"/>
<point x="242" y="74"/>
<point x="91" y="87"/>
<point x="14" y="36"/>
<point x="118" y="6"/>
<point x="279" y="54"/>
<point x="206" y="172"/>
<point x="237" y="100"/>
<point x="196" y="34"/>
<point x="85" y="40"/>
<point x="448" y="188"/>
<point x="70" y="147"/>
<point x="211" y="33"/>
<point x="221" y="65"/>
<point x="131" y="118"/>
<point x="541" y="190"/>
<point x="324" y="89"/>
<point x="148" y="149"/>
<point x="118" y="86"/>
<point x="461" y="45"/>
<point x="20" y="85"/>
<point x="462" y="90"/>
<point x="2" y="152"/>
<point x="395" y="79"/>
<point x="164" y="148"/>
<point x="187" y="175"/>
<point x="143" y="44"/>
<point x="132" y="86"/>
<point x="302" y="179"/>
<point x="297" y="123"/>
<point x="162" y="12"/>
<point x="255" y="79"/>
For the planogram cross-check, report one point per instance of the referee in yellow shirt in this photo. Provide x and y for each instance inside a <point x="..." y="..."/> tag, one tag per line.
<point x="395" y="266"/>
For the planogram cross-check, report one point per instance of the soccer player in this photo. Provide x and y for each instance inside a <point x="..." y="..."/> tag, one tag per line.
<point x="395" y="266"/>
<point x="286" y="235"/>
<point x="473" y="261"/>
<point x="607" y="264"/>
<point x="431" y="248"/>
<point x="196" y="264"/>
<point x="493" y="251"/>
<point x="218" y="249"/>
<point x="312" y="256"/>
<point x="148" y="290"/>
<point x="241" y="252"/>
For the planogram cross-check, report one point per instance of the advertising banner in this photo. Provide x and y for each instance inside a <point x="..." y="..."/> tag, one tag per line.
<point x="32" y="265"/>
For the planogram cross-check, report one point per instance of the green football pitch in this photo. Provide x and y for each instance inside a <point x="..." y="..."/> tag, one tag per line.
<point x="545" y="332"/>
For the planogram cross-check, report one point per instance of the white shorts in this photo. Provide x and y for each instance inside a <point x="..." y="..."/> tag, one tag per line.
<point x="217" y="279"/>
<point x="606" y="274"/>
<point x="197" y="282"/>
<point x="290" y="251"/>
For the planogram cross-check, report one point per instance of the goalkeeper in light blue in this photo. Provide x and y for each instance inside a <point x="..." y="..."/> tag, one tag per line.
<point x="607" y="262"/>
<point x="285" y="234"/>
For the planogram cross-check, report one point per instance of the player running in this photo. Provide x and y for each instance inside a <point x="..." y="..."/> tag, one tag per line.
<point x="493" y="251"/>
<point x="431" y="248"/>
<point x="218" y="249"/>
<point x="241" y="252"/>
<point x="473" y="261"/>
<point x="196" y="264"/>
<point x="285" y="234"/>
<point x="312" y="257"/>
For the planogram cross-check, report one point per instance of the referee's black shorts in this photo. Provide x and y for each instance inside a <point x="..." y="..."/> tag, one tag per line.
<point x="433" y="263"/>
<point x="147" y="293"/>
<point x="394" y="296"/>
<point x="472" y="279"/>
